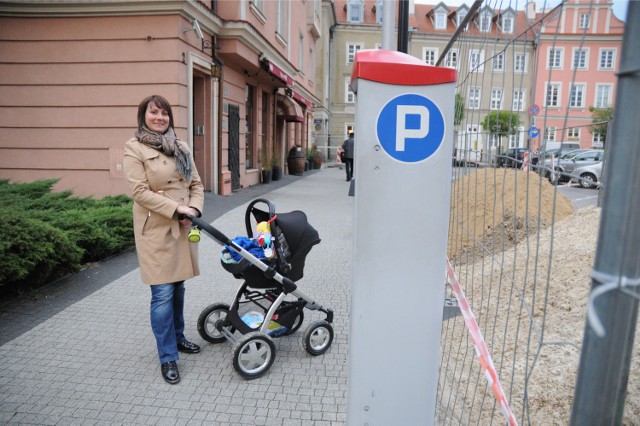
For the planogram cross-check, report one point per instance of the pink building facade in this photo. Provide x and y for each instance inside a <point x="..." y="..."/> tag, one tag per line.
<point x="577" y="58"/>
<point x="240" y="76"/>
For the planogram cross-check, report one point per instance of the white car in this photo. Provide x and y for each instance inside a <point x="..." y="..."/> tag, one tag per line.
<point x="588" y="176"/>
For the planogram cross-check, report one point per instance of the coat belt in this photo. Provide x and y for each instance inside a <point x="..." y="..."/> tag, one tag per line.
<point x="175" y="229"/>
<point x="175" y="225"/>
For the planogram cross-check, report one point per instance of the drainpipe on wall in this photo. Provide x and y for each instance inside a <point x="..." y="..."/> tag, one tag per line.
<point x="218" y="117"/>
<point x="329" y="82"/>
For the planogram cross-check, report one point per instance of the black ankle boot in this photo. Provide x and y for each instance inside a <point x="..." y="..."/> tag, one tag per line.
<point x="170" y="372"/>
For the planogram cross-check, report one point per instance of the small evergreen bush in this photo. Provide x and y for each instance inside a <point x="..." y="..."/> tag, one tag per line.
<point x="47" y="234"/>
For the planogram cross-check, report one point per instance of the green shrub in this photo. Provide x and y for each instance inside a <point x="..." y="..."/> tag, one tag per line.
<point x="33" y="252"/>
<point x="49" y="234"/>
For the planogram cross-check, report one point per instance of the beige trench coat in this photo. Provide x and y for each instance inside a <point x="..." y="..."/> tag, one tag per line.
<point x="164" y="251"/>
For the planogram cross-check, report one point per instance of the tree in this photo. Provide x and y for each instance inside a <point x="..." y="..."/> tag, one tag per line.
<point x="501" y="124"/>
<point x="600" y="121"/>
<point x="459" y="110"/>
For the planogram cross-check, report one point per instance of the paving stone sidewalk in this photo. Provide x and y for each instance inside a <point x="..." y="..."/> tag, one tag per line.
<point x="94" y="360"/>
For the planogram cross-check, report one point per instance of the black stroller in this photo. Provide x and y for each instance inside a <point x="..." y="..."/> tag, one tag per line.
<point x="259" y="310"/>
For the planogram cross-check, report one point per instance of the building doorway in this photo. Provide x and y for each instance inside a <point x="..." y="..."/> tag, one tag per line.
<point x="234" y="146"/>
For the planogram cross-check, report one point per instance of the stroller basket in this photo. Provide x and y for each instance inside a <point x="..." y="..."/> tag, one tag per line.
<point x="293" y="239"/>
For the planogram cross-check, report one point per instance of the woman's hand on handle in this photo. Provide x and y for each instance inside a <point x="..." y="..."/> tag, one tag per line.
<point x="186" y="210"/>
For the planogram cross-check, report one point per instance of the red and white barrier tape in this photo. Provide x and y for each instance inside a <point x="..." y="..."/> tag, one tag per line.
<point x="525" y="163"/>
<point x="482" y="351"/>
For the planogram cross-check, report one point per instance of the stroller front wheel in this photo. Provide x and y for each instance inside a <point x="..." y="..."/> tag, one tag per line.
<point x="253" y="355"/>
<point x="208" y="320"/>
<point x="318" y="337"/>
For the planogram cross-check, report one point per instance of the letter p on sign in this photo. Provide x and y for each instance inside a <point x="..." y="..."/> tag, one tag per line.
<point x="410" y="128"/>
<point x="402" y="133"/>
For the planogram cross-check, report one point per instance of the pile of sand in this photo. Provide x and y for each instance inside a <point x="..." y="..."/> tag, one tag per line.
<point x="529" y="300"/>
<point x="492" y="208"/>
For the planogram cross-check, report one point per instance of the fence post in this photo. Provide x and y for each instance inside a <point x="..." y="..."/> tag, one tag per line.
<point x="601" y="385"/>
<point x="607" y="152"/>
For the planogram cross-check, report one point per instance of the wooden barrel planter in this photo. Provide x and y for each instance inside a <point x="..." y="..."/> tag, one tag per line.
<point x="296" y="160"/>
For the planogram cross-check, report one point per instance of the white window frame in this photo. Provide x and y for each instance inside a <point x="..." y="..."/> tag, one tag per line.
<point x="550" y="134"/>
<point x="484" y="17"/>
<point x="585" y="19"/>
<point x="448" y="59"/>
<point x="474" y="102"/>
<point x="440" y="21"/>
<point x="547" y="86"/>
<point x="499" y="57"/>
<point x="508" y="18"/>
<point x="575" y="51"/>
<point x="597" y="140"/>
<point x="460" y="17"/>
<point x="430" y="55"/>
<point x="355" y="9"/>
<point x="494" y="141"/>
<point x="352" y="48"/>
<point x="349" y="96"/>
<point x="575" y="137"/>
<point x="348" y="128"/>
<point x="281" y="20"/>
<point x="480" y="54"/>
<point x="517" y="103"/>
<point x="301" y="51"/>
<point x="598" y="96"/>
<point x="578" y="101"/>
<point x="517" y="140"/>
<point x="604" y="50"/>
<point x="379" y="9"/>
<point x="560" y="58"/>
<point x="577" y="95"/>
<point x="312" y="66"/>
<point x="495" y="103"/>
<point x="516" y="63"/>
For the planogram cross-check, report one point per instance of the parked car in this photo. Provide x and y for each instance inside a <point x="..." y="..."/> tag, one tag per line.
<point x="512" y="157"/>
<point x="588" y="176"/>
<point x="566" y="156"/>
<point x="564" y="167"/>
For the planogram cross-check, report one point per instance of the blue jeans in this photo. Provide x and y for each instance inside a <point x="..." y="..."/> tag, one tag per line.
<point x="167" y="318"/>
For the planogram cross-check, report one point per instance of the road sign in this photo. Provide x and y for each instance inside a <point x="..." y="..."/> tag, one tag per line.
<point x="533" y="132"/>
<point x="534" y="109"/>
<point x="410" y="128"/>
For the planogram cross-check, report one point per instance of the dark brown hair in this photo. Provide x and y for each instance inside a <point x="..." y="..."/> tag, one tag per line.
<point x="158" y="101"/>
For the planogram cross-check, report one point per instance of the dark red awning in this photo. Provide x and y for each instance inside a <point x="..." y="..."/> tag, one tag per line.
<point x="289" y="110"/>
<point x="279" y="73"/>
<point x="298" y="97"/>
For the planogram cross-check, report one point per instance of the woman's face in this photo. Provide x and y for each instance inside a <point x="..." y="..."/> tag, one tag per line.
<point x="156" y="118"/>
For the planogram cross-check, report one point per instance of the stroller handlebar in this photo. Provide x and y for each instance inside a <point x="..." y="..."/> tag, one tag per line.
<point x="219" y="236"/>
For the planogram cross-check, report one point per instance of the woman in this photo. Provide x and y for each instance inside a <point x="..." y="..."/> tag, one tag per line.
<point x="164" y="183"/>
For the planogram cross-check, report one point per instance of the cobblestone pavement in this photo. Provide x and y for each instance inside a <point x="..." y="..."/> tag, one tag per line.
<point x="94" y="361"/>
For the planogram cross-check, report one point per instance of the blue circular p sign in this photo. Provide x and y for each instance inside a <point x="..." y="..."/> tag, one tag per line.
<point x="410" y="128"/>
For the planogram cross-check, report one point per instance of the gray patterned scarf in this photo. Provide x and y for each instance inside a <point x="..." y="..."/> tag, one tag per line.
<point x="168" y="144"/>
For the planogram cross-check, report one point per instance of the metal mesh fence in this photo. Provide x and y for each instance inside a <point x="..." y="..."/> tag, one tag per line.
<point x="533" y="86"/>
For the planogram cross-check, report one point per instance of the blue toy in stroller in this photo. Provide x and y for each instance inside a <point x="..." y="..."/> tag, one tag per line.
<point x="268" y="304"/>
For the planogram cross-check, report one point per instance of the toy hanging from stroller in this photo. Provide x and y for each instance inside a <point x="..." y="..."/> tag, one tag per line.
<point x="269" y="266"/>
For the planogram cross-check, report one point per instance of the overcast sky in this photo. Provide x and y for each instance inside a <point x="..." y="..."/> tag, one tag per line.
<point x="619" y="6"/>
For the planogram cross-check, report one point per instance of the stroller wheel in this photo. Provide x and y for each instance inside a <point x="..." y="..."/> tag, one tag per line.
<point x="208" y="320"/>
<point x="253" y="355"/>
<point x="318" y="337"/>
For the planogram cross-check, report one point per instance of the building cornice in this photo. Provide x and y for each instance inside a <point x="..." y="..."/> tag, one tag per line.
<point x="48" y="9"/>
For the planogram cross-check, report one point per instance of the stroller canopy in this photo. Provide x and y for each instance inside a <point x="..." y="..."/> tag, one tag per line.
<point x="298" y="232"/>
